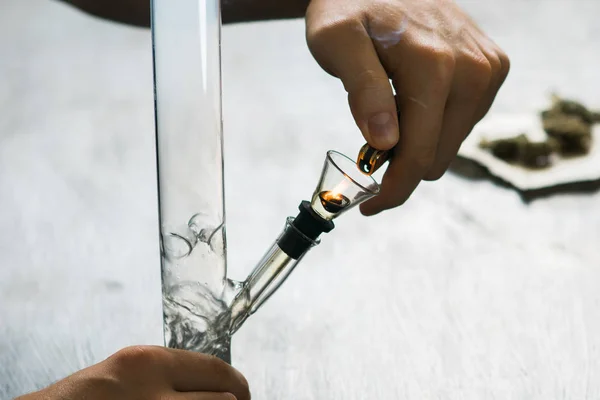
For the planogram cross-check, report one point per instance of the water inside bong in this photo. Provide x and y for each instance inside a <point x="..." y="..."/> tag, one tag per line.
<point x="196" y="294"/>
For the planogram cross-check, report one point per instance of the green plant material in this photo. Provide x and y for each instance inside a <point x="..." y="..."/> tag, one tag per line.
<point x="565" y="107"/>
<point x="569" y="123"/>
<point x="536" y="154"/>
<point x="519" y="150"/>
<point x="505" y="149"/>
<point x="573" y="135"/>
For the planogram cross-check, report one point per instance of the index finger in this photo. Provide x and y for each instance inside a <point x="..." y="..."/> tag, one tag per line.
<point x="422" y="94"/>
<point x="344" y="48"/>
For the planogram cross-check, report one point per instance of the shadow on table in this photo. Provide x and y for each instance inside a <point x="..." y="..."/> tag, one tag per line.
<point x="476" y="172"/>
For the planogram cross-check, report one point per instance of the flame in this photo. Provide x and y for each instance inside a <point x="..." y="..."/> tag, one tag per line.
<point x="339" y="189"/>
<point x="334" y="200"/>
<point x="333" y="197"/>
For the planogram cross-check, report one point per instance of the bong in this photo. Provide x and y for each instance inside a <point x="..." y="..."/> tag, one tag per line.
<point x="202" y="308"/>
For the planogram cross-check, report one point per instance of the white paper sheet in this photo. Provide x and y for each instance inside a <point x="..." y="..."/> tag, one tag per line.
<point x="563" y="170"/>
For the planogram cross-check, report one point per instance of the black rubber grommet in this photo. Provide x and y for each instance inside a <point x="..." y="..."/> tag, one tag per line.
<point x="305" y="229"/>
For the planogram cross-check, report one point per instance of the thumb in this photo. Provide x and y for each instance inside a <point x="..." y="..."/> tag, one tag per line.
<point x="347" y="52"/>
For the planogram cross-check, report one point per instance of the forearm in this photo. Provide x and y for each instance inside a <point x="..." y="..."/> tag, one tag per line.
<point x="137" y="12"/>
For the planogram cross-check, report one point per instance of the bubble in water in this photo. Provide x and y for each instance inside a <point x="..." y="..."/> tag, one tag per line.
<point x="196" y="294"/>
<point x="204" y="227"/>
<point x="175" y="246"/>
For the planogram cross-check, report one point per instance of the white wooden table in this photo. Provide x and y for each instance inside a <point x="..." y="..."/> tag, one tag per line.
<point x="464" y="293"/>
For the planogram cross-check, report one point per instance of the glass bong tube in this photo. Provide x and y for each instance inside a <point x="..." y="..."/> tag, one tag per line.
<point x="201" y="307"/>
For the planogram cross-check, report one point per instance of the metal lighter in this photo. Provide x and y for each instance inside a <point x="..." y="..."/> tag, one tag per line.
<point x="370" y="159"/>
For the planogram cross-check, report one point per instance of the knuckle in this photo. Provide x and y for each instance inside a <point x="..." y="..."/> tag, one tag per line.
<point x="482" y="66"/>
<point x="134" y="357"/>
<point x="327" y="29"/>
<point x="442" y="59"/>
<point x="474" y="77"/>
<point x="495" y="64"/>
<point x="434" y="174"/>
<point x="424" y="158"/>
<point x="245" y="390"/>
<point x="366" y="80"/>
<point x="225" y="372"/>
<point x="504" y="64"/>
<point x="480" y="74"/>
<point x="438" y="62"/>
<point x="219" y="367"/>
<point x="396" y="200"/>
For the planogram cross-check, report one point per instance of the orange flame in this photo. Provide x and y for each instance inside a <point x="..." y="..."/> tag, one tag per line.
<point x="339" y="189"/>
<point x="332" y="196"/>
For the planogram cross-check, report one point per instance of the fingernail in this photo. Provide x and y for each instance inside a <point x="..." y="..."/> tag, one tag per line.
<point x="382" y="129"/>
